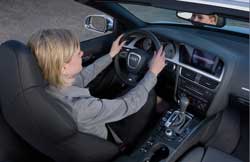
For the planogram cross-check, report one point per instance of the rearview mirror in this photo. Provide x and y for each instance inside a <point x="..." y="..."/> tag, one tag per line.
<point x="99" y="23"/>
<point x="204" y="19"/>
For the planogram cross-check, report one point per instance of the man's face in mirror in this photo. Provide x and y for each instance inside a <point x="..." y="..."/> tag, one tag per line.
<point x="206" y="19"/>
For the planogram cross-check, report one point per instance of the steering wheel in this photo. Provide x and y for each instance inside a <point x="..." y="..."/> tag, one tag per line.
<point x="132" y="62"/>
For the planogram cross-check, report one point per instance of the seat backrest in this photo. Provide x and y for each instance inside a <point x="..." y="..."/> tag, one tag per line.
<point x="15" y="149"/>
<point x="37" y="117"/>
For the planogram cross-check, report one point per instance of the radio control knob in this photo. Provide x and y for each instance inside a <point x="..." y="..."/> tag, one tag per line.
<point x="170" y="67"/>
<point x="164" y="119"/>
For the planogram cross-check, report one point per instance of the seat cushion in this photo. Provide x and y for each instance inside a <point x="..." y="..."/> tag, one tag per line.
<point x="195" y="155"/>
<point x="215" y="155"/>
<point x="200" y="154"/>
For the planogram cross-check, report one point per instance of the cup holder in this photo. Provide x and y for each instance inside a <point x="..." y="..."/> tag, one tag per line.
<point x="159" y="152"/>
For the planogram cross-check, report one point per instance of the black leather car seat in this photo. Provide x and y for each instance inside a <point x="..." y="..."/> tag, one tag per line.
<point x="40" y="119"/>
<point x="200" y="154"/>
<point x="15" y="149"/>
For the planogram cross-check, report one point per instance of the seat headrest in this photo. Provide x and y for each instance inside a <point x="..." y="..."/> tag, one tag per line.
<point x="18" y="68"/>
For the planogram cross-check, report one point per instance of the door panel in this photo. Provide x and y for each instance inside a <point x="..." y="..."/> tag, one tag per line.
<point x="93" y="49"/>
<point x="97" y="47"/>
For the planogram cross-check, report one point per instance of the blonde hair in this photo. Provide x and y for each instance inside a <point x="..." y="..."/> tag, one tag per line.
<point x="215" y="17"/>
<point x="53" y="48"/>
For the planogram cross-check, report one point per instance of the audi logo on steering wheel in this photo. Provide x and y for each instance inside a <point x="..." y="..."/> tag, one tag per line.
<point x="134" y="60"/>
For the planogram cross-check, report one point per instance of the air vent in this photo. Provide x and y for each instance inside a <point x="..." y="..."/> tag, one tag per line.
<point x="188" y="74"/>
<point x="207" y="82"/>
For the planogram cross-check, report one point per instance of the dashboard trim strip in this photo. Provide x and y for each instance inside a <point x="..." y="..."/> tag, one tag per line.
<point x="198" y="71"/>
<point x="175" y="60"/>
<point x="245" y="89"/>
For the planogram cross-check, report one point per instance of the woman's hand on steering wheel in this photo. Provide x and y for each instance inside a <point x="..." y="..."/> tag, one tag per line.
<point x="116" y="46"/>
<point x="158" y="61"/>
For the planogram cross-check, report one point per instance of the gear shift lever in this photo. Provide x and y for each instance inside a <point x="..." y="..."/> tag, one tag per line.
<point x="180" y="117"/>
<point x="176" y="122"/>
<point x="183" y="104"/>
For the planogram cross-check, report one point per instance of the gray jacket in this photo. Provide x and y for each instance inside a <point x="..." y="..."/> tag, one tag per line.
<point x="91" y="113"/>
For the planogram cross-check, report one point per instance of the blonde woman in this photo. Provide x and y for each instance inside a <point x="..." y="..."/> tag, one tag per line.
<point x="206" y="19"/>
<point x="59" y="56"/>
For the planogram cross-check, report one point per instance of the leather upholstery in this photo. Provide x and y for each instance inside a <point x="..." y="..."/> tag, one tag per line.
<point x="215" y="155"/>
<point x="14" y="149"/>
<point x="195" y="155"/>
<point x="200" y="154"/>
<point x="37" y="117"/>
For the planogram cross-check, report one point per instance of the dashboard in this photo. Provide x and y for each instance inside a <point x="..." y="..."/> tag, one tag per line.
<point x="184" y="55"/>
<point x="205" y="66"/>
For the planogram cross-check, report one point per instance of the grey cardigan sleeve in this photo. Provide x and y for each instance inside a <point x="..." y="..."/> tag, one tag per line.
<point x="100" y="111"/>
<point x="91" y="71"/>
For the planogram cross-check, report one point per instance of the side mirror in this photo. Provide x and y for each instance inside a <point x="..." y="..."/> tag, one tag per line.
<point x="202" y="19"/>
<point x="99" y="23"/>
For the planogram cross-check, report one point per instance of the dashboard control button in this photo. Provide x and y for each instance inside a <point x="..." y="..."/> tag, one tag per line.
<point x="169" y="132"/>
<point x="143" y="150"/>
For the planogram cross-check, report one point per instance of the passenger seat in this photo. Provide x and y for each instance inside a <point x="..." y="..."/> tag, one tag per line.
<point x="200" y="154"/>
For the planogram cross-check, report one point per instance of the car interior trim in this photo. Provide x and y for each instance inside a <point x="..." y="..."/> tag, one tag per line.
<point x="245" y="89"/>
<point x="198" y="71"/>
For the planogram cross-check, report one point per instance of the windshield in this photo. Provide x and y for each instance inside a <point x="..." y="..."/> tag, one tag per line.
<point x="233" y="4"/>
<point x="151" y="14"/>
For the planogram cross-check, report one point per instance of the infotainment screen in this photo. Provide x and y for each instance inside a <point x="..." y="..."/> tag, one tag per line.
<point x="203" y="61"/>
<point x="199" y="59"/>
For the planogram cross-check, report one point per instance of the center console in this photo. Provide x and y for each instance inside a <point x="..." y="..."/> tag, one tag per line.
<point x="175" y="133"/>
<point x="200" y="74"/>
<point x="199" y="89"/>
<point x="181" y="127"/>
<point x="167" y="139"/>
<point x="198" y="77"/>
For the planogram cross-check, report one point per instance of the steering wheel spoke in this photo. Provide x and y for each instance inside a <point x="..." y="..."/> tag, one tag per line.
<point x="123" y="54"/>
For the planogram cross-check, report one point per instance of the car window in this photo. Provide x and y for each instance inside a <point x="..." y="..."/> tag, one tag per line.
<point x="153" y="14"/>
<point x="233" y="4"/>
<point x="236" y="23"/>
<point x="19" y="19"/>
<point x="160" y="15"/>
